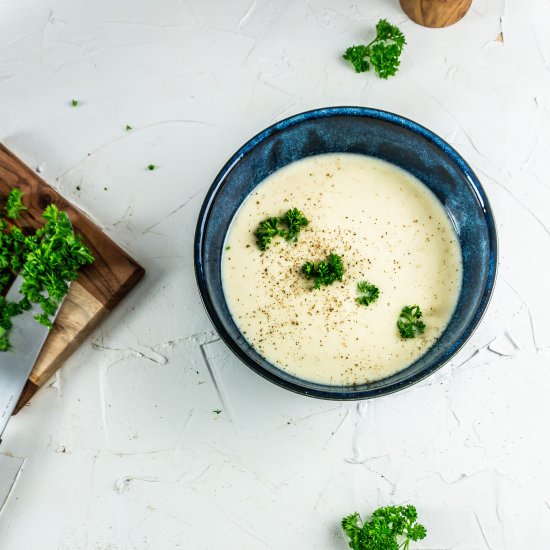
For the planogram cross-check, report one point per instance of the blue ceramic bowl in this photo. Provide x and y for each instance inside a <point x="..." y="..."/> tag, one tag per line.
<point x="369" y="132"/>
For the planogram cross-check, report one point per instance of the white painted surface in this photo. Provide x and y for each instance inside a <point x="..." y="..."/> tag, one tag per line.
<point x="123" y="451"/>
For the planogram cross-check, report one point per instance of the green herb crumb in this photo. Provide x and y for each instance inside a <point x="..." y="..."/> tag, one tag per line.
<point x="151" y="167"/>
<point x="74" y="103"/>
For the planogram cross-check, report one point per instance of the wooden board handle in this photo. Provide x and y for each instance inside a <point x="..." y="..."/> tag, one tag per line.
<point x="435" y="13"/>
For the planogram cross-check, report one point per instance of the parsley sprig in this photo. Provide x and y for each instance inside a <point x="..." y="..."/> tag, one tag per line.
<point x="382" y="53"/>
<point x="324" y="272"/>
<point x="14" y="206"/>
<point x="47" y="260"/>
<point x="7" y="311"/>
<point x="292" y="222"/>
<point x="384" y="528"/>
<point x="409" y="323"/>
<point x="368" y="293"/>
<point x="54" y="256"/>
<point x="266" y="231"/>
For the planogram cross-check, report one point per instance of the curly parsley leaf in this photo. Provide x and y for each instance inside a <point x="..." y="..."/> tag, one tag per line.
<point x="384" y="528"/>
<point x="295" y="220"/>
<point x="409" y="323"/>
<point x="7" y="311"/>
<point x="382" y="53"/>
<point x="14" y="206"/>
<point x="12" y="252"/>
<point x="288" y="227"/>
<point x="358" y="56"/>
<point x="266" y="231"/>
<point x="324" y="272"/>
<point x="54" y="256"/>
<point x="368" y="293"/>
<point x="47" y="260"/>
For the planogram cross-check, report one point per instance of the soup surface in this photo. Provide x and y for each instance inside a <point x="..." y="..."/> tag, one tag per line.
<point x="389" y="229"/>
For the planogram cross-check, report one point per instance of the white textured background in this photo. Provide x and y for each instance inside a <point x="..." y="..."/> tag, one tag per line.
<point x="123" y="451"/>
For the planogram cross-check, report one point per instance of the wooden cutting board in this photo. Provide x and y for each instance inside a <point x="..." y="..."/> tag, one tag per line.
<point x="100" y="286"/>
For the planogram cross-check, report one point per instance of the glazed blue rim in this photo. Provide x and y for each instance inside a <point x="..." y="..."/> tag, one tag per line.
<point x="343" y="111"/>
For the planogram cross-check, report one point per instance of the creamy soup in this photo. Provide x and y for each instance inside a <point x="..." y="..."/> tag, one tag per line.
<point x="389" y="229"/>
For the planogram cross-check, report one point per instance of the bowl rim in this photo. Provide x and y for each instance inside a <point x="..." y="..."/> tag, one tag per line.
<point x="347" y="393"/>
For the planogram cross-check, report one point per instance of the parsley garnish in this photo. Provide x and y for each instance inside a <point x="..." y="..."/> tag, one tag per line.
<point x="409" y="323"/>
<point x="54" y="256"/>
<point x="14" y="206"/>
<point x="368" y="293"/>
<point x="381" y="532"/>
<point x="47" y="261"/>
<point x="266" y="231"/>
<point x="128" y="127"/>
<point x="74" y="103"/>
<point x="151" y="167"/>
<point x="324" y="272"/>
<point x="217" y="411"/>
<point x="7" y="311"/>
<point x="382" y="53"/>
<point x="294" y="220"/>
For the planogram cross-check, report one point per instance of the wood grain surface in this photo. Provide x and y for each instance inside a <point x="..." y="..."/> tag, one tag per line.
<point x="435" y="13"/>
<point x="100" y="286"/>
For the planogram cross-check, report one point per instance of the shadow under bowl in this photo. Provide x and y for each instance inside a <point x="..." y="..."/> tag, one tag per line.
<point x="381" y="135"/>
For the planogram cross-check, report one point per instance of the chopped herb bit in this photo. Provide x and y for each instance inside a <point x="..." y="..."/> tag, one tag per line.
<point x="294" y="220"/>
<point x="217" y="411"/>
<point x="409" y="323"/>
<point x="128" y="127"/>
<point x="105" y="189"/>
<point x="14" y="206"/>
<point x="7" y="311"/>
<point x="325" y="272"/>
<point x="368" y="293"/>
<point x="227" y="247"/>
<point x="381" y="532"/>
<point x="74" y="103"/>
<point x="48" y="260"/>
<point x="151" y="167"/>
<point x="382" y="53"/>
<point x="78" y="187"/>
<point x="54" y="255"/>
<point x="266" y="231"/>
